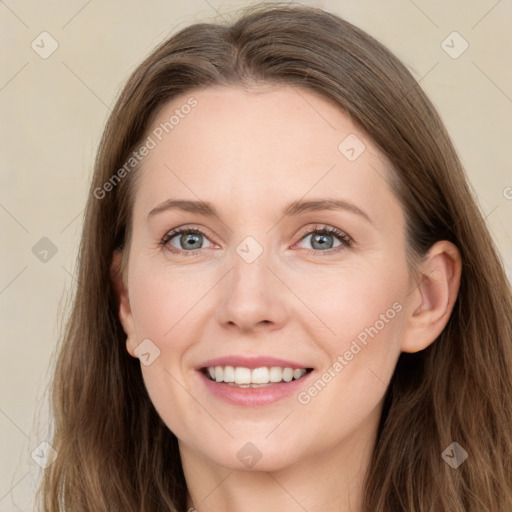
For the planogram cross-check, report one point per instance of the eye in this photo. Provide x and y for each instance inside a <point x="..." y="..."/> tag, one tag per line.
<point x="184" y="240"/>
<point x="323" y="238"/>
<point x="190" y="241"/>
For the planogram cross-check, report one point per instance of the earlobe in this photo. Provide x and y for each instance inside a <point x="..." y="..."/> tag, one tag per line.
<point x="434" y="297"/>
<point x="123" y="303"/>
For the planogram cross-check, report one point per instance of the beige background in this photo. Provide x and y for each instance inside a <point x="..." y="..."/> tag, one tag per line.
<point x="53" y="111"/>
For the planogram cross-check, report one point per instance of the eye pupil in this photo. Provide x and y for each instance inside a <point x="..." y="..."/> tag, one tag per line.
<point x="320" y="239"/>
<point x="188" y="237"/>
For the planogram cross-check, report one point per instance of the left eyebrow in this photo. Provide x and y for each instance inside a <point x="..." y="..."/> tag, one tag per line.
<point x="297" y="207"/>
<point x="294" y="208"/>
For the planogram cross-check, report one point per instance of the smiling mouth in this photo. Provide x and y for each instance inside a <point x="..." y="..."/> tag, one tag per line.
<point x="242" y="377"/>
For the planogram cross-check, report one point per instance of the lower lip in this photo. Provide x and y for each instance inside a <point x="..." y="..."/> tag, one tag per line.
<point x="253" y="397"/>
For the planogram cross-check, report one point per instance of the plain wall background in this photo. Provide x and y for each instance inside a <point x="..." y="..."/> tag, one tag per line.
<point x="53" y="111"/>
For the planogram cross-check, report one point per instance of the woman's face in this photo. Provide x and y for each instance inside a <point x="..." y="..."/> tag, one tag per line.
<point x="254" y="286"/>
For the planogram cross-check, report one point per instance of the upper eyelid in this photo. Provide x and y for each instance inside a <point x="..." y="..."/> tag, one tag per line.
<point x="323" y="227"/>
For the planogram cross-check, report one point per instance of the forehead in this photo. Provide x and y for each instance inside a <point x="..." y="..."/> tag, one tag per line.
<point x="257" y="148"/>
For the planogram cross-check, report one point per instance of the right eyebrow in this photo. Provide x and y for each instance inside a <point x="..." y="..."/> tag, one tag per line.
<point x="200" y="207"/>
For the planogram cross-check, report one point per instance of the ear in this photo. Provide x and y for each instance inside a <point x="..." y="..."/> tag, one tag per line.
<point x="123" y="303"/>
<point x="432" y="300"/>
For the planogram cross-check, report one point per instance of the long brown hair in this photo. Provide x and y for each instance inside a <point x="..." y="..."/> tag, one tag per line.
<point x="115" y="452"/>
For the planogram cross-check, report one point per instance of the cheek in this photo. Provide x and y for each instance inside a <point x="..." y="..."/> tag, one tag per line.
<point x="346" y="397"/>
<point x="364" y="311"/>
<point x="356" y="298"/>
<point x="165" y="308"/>
<point x="163" y="300"/>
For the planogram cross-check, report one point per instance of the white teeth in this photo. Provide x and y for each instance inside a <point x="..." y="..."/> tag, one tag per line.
<point x="276" y="374"/>
<point x="297" y="373"/>
<point x="287" y="374"/>
<point x="260" y="376"/>
<point x="229" y="374"/>
<point x="242" y="375"/>
<point x="246" y="377"/>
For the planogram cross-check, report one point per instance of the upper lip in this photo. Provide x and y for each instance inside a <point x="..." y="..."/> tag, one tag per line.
<point x="251" y="362"/>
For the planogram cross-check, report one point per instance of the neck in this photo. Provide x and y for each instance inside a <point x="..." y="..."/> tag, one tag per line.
<point x="328" y="481"/>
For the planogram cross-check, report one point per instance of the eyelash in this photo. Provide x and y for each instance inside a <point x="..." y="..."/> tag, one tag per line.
<point x="345" y="240"/>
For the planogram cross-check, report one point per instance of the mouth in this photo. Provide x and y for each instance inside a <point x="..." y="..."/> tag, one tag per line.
<point x="243" y="377"/>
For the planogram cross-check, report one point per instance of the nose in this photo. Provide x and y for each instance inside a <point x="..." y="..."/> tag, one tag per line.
<point x="252" y="297"/>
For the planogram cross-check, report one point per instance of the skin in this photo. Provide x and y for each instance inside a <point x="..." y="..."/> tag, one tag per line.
<point x="250" y="153"/>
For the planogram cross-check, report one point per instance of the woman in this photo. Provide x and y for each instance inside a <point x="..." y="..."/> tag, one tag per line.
<point x="288" y="298"/>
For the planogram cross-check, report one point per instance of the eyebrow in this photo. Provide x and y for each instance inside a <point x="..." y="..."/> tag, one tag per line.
<point x="294" y="208"/>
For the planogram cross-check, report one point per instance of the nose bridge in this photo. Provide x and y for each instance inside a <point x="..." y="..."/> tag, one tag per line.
<point x="250" y="279"/>
<point x="250" y="272"/>
<point x="251" y="294"/>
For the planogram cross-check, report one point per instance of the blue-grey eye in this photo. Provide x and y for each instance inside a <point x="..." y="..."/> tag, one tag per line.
<point x="324" y="239"/>
<point x="185" y="239"/>
<point x="188" y="241"/>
